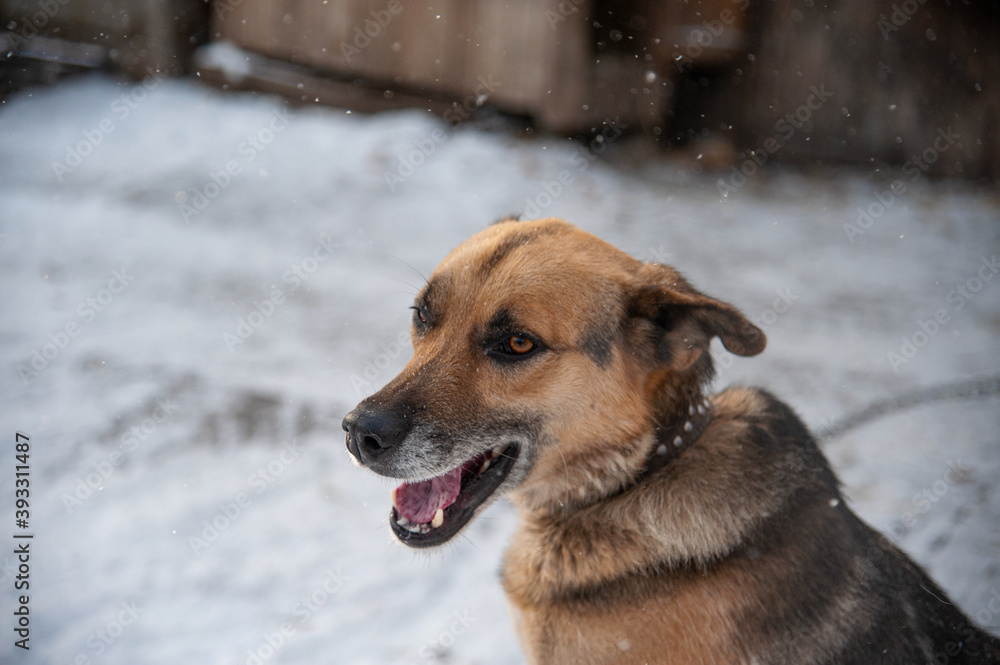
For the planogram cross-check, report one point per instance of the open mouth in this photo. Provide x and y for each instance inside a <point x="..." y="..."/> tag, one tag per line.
<point x="430" y="512"/>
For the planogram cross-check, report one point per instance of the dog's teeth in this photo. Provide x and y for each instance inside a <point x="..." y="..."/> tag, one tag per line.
<point x="486" y="465"/>
<point x="691" y="410"/>
<point x="499" y="451"/>
<point x="394" y="500"/>
<point x="410" y="526"/>
<point x="438" y="518"/>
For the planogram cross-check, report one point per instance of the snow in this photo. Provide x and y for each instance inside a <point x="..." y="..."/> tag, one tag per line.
<point x="152" y="422"/>
<point x="226" y="57"/>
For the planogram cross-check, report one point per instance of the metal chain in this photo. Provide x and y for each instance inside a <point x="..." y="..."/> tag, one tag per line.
<point x="973" y="389"/>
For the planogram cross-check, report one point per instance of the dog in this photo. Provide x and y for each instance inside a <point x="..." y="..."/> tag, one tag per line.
<point x="657" y="523"/>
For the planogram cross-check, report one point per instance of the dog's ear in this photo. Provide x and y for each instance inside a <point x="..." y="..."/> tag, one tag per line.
<point x="686" y="320"/>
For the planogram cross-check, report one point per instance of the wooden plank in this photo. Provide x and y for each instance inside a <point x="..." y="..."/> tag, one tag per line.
<point x="139" y="35"/>
<point x="306" y="87"/>
<point x="900" y="85"/>
<point x="511" y="55"/>
<point x="567" y="60"/>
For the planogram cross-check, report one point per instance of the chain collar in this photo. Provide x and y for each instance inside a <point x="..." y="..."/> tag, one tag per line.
<point x="676" y="437"/>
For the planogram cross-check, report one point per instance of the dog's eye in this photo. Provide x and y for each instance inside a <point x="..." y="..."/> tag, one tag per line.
<point x="516" y="346"/>
<point x="520" y="345"/>
<point x="420" y="315"/>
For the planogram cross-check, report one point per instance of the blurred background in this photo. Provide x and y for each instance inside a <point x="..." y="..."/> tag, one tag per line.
<point x="713" y="74"/>
<point x="213" y="216"/>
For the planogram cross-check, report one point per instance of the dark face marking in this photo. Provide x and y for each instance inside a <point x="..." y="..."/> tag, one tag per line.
<point x="501" y="324"/>
<point x="603" y="331"/>
<point x="596" y="342"/>
<point x="509" y="244"/>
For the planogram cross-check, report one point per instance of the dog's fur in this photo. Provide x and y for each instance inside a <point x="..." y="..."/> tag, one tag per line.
<point x="739" y="550"/>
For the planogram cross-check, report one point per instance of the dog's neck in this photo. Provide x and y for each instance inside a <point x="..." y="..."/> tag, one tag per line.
<point x="684" y="522"/>
<point x="674" y="425"/>
<point x="678" y="435"/>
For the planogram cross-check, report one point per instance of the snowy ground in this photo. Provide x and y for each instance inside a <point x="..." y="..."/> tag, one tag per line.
<point x="152" y="419"/>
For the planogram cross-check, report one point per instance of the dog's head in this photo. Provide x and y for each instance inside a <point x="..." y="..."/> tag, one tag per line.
<point x="543" y="358"/>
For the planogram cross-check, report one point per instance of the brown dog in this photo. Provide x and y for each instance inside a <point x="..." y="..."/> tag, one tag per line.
<point x="658" y="525"/>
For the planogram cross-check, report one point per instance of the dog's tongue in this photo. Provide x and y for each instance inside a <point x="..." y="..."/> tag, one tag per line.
<point x="418" y="502"/>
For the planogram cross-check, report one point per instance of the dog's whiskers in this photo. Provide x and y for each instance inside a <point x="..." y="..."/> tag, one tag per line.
<point x="414" y="270"/>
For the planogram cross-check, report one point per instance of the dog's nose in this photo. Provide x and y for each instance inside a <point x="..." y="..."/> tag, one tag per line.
<point x="370" y="434"/>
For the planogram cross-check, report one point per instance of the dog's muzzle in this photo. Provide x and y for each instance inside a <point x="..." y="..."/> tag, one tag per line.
<point x="429" y="511"/>
<point x="372" y="434"/>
